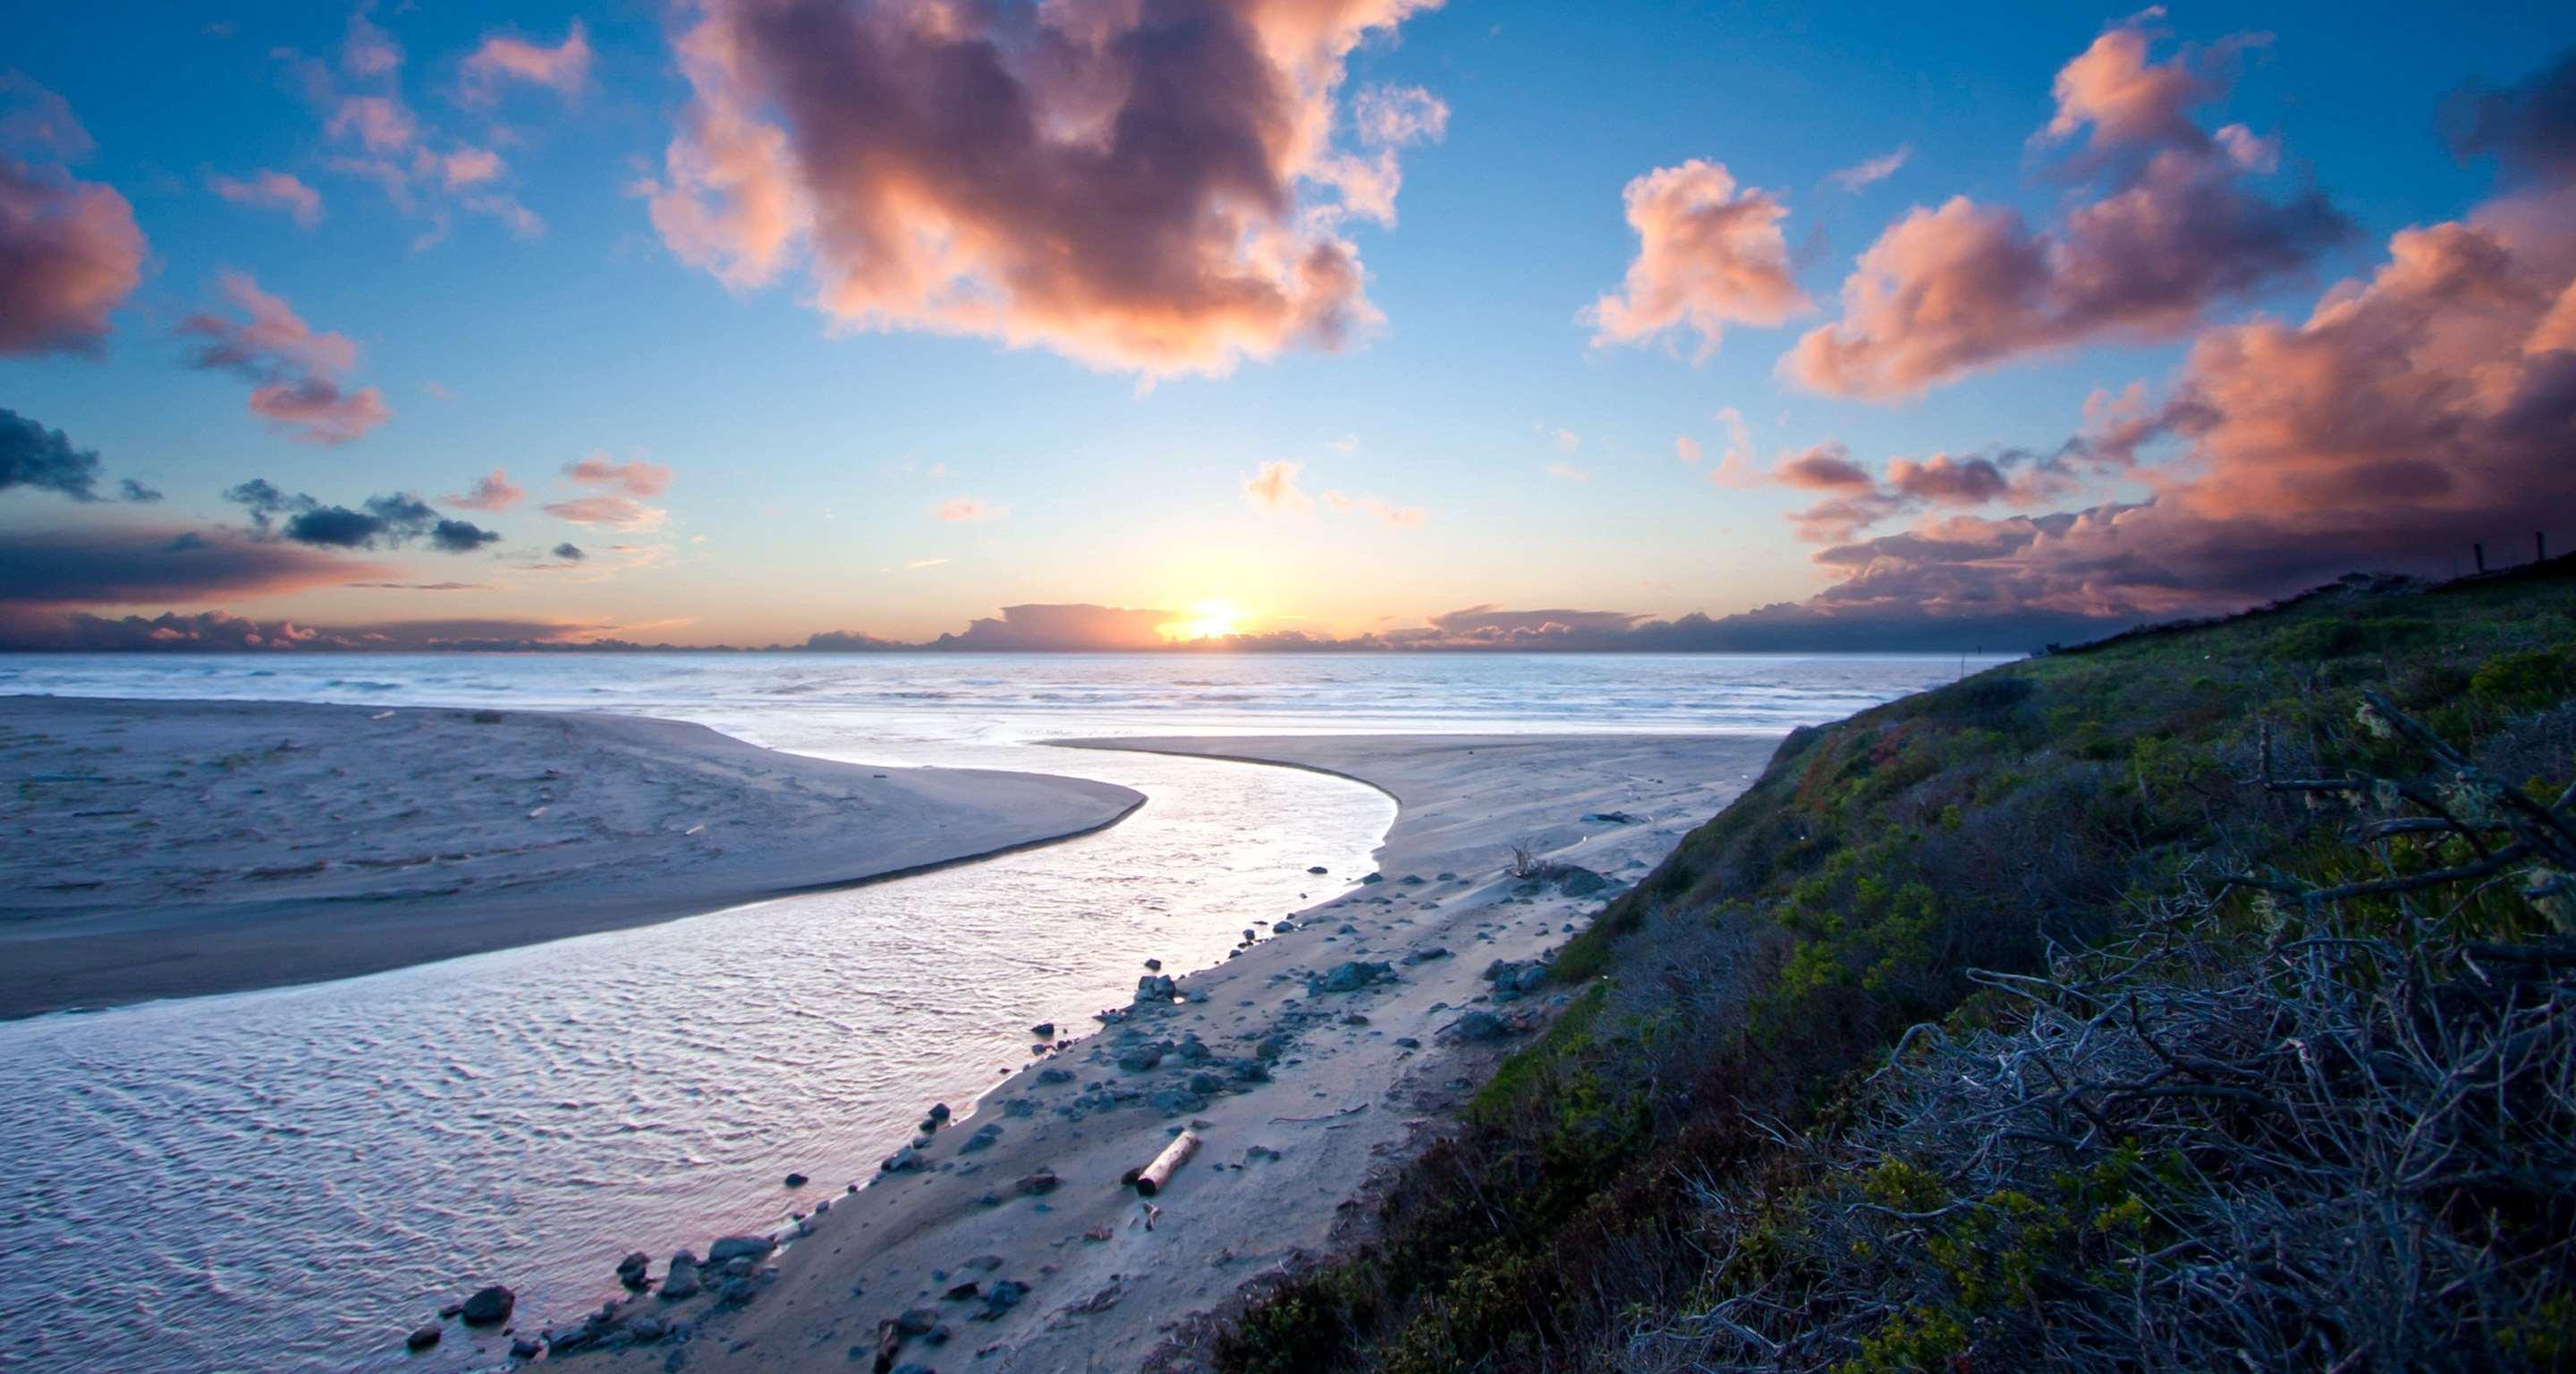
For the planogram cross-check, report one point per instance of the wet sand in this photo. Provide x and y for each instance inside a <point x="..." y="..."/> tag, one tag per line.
<point x="174" y="848"/>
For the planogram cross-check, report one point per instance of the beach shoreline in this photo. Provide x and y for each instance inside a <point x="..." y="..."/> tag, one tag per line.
<point x="1004" y="1230"/>
<point x="181" y="848"/>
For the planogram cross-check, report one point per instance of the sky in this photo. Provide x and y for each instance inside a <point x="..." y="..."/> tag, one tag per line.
<point x="1384" y="322"/>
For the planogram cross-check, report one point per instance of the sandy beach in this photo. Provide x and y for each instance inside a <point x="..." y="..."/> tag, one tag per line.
<point x="1306" y="1065"/>
<point x="173" y="848"/>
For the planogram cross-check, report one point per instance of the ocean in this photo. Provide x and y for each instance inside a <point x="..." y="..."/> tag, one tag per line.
<point x="287" y="1180"/>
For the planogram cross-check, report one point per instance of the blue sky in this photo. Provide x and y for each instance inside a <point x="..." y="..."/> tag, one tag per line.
<point x="808" y="460"/>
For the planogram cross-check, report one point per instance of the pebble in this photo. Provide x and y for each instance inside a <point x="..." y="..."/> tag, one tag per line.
<point x="422" y="1338"/>
<point x="489" y="1306"/>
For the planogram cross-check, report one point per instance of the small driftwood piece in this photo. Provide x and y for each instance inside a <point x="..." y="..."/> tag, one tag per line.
<point x="1150" y="1179"/>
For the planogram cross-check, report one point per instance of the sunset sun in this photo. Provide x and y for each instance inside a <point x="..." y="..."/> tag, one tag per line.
<point x="1211" y="619"/>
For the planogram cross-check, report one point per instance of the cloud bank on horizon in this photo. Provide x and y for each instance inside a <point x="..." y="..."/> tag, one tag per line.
<point x="1174" y="188"/>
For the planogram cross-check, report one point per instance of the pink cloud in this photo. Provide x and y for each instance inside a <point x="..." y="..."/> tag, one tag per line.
<point x="1823" y="467"/>
<point x="1864" y="174"/>
<point x="272" y="190"/>
<point x="2179" y="227"/>
<point x="615" y="512"/>
<point x="635" y="477"/>
<point x="494" y="491"/>
<point x="1121" y="184"/>
<point x="968" y="510"/>
<point x="1386" y="513"/>
<point x="1708" y="255"/>
<point x="381" y="122"/>
<point x="297" y="371"/>
<point x="2413" y="412"/>
<point x="564" y="67"/>
<point x="1274" y="487"/>
<point x="69" y="250"/>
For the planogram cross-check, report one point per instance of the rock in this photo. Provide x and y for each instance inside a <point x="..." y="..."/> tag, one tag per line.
<point x="1407" y="1042"/>
<point x="1155" y="987"/>
<point x="1319" y="868"/>
<point x="1411" y="880"/>
<point x="422" y="1337"/>
<point x="1052" y="1074"/>
<point x="631" y="1270"/>
<point x="1351" y="976"/>
<point x="1282" y="927"/>
<point x="1154" y="965"/>
<point x="1044" y="1030"/>
<point x="1447" y="878"/>
<point x="1005" y="1296"/>
<point x="1038" y="1184"/>
<point x="917" y="1321"/>
<point x="1611" y="818"/>
<point x="1140" y="1058"/>
<point x="983" y="1263"/>
<point x="904" y="1161"/>
<point x="1426" y="955"/>
<point x="1372" y="880"/>
<point x="983" y="1138"/>
<point x="682" y="1280"/>
<point x="526" y="1348"/>
<point x="490" y="1306"/>
<point x="1352" y="1018"/>
<point x="450" y="1310"/>
<point x="795" y="1180"/>
<point x="646" y="1330"/>
<point x="963" y="1291"/>
<point x="736" y="1292"/>
<point x="739" y="1267"/>
<point x="1577" y="882"/>
<point x="1480" y="1026"/>
<point x="740" y="1247"/>
<point x="1192" y="1048"/>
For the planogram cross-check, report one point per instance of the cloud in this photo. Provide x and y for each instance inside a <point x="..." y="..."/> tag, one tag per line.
<point x="493" y="491"/>
<point x="1382" y="511"/>
<point x="1861" y="175"/>
<point x="1051" y="627"/>
<point x="382" y="521"/>
<point x="272" y="190"/>
<point x="1568" y="472"/>
<point x="918" y="564"/>
<point x="423" y="173"/>
<point x="69" y="250"/>
<point x="1386" y="119"/>
<point x="563" y="68"/>
<point x="120" y="565"/>
<point x="460" y="536"/>
<point x="2177" y="226"/>
<point x="2411" y="413"/>
<point x="569" y="552"/>
<point x="1822" y="467"/>
<point x="968" y="510"/>
<point x="1735" y="466"/>
<point x="1274" y="487"/>
<point x="223" y="632"/>
<point x="1708" y="255"/>
<point x="296" y="372"/>
<point x="634" y="477"/>
<point x="44" y="459"/>
<point x="127" y="489"/>
<point x="615" y="512"/>
<point x="1141" y="187"/>
<point x="1947" y="481"/>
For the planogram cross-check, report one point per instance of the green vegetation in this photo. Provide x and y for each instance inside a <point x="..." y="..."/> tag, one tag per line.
<point x="2200" y="998"/>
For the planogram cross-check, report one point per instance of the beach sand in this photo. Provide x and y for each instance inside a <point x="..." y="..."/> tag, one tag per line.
<point x="171" y="848"/>
<point x="1354" y="1080"/>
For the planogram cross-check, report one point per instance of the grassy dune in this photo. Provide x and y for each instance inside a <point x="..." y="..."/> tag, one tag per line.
<point x="2197" y="999"/>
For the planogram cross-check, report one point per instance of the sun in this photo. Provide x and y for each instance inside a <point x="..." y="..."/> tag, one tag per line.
<point x="1211" y="619"/>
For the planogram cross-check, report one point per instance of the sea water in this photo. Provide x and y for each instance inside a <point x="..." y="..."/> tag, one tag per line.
<point x="288" y="1180"/>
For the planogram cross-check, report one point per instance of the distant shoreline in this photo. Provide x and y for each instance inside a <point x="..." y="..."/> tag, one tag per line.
<point x="179" y="848"/>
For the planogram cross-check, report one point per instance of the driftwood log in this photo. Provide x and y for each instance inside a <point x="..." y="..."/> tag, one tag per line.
<point x="1150" y="1179"/>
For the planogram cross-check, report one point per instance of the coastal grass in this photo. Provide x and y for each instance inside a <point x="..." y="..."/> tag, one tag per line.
<point x="1764" y="1131"/>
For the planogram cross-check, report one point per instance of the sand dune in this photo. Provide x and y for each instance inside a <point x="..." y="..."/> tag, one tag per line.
<point x="169" y="848"/>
